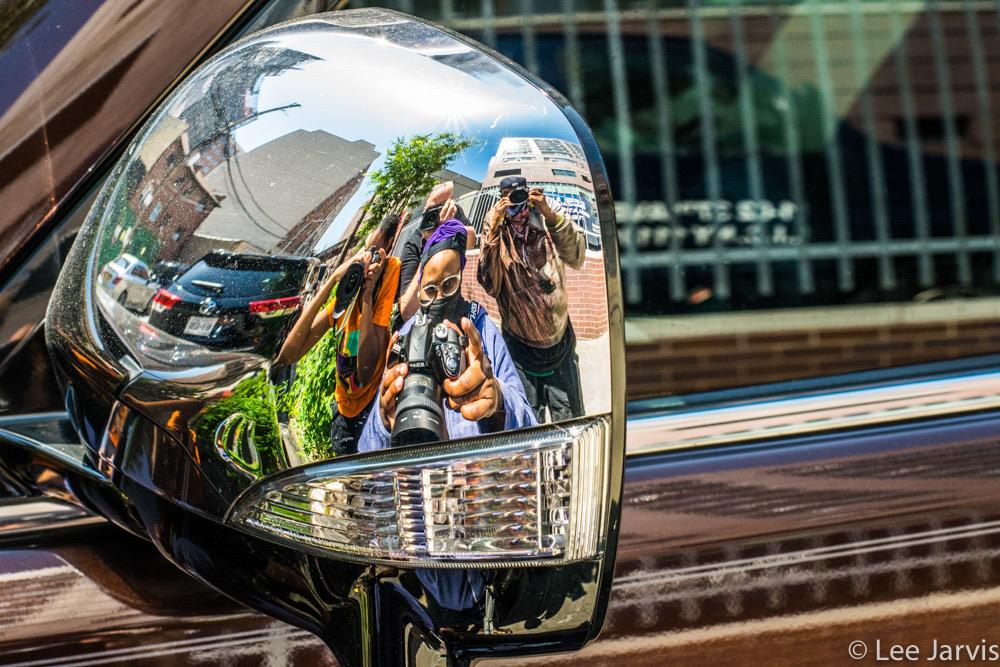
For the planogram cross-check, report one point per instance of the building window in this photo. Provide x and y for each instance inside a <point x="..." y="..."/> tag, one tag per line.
<point x="564" y="172"/>
<point x="506" y="172"/>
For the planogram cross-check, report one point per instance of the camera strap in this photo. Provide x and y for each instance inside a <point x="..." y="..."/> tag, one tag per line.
<point x="474" y="309"/>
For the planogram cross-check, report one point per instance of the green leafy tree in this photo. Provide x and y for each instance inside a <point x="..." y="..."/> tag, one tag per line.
<point x="406" y="176"/>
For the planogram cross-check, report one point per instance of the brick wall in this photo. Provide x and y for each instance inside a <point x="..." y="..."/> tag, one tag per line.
<point x="588" y="300"/>
<point x="687" y="365"/>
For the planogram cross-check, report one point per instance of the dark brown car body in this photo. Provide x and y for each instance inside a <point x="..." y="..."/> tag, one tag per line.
<point x="752" y="540"/>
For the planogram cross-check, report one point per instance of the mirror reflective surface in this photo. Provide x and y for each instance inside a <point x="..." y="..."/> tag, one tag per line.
<point x="343" y="335"/>
<point x="304" y="262"/>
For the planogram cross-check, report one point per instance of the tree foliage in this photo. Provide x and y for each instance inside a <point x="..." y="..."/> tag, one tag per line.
<point x="254" y="399"/>
<point x="408" y="172"/>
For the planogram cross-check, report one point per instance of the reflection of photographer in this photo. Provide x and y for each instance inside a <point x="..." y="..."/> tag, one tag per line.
<point x="522" y="265"/>
<point x="367" y="284"/>
<point x="433" y="352"/>
<point x="468" y="364"/>
<point x="439" y="207"/>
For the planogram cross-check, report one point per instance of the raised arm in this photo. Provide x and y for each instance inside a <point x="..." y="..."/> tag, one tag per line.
<point x="314" y="321"/>
<point x="490" y="270"/>
<point x="376" y="315"/>
<point x="567" y="236"/>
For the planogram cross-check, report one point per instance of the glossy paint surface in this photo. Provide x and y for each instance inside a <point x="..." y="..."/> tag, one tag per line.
<point x="104" y="62"/>
<point x="780" y="553"/>
<point x="786" y="552"/>
<point x="98" y="597"/>
<point x="787" y="562"/>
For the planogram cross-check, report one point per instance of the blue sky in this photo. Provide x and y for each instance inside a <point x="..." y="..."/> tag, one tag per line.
<point x="398" y="92"/>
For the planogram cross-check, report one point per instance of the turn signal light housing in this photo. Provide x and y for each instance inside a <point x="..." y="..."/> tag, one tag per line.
<point x="526" y="498"/>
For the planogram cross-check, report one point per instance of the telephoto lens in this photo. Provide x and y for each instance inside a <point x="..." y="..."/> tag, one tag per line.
<point x="419" y="415"/>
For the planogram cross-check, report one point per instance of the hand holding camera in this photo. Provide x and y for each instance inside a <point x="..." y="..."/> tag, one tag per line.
<point x="430" y="364"/>
<point x="434" y="215"/>
<point x="374" y="261"/>
<point x="498" y="213"/>
<point x="420" y="361"/>
<point x="363" y="270"/>
<point x="521" y="197"/>
<point x="475" y="393"/>
<point x="392" y="384"/>
<point x="537" y="200"/>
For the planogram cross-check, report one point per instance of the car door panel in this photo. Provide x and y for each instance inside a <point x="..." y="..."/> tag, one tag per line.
<point x="789" y="550"/>
<point x="73" y="591"/>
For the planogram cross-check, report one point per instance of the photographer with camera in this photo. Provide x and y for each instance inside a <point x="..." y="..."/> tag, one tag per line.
<point x="439" y="207"/>
<point x="367" y="284"/>
<point x="449" y="352"/>
<point x="523" y="266"/>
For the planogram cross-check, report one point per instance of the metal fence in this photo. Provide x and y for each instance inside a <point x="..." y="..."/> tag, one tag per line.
<point x="774" y="153"/>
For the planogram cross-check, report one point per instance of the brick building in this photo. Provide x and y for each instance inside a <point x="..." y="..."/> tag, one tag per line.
<point x="171" y="201"/>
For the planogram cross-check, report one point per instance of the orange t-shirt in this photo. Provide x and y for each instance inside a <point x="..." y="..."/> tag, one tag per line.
<point x="353" y="397"/>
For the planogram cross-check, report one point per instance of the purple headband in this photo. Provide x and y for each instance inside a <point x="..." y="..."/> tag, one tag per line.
<point x="449" y="235"/>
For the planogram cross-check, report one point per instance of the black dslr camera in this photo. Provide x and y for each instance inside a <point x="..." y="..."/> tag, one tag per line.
<point x="434" y="352"/>
<point x="350" y="284"/>
<point x="430" y="218"/>
<point x="518" y="195"/>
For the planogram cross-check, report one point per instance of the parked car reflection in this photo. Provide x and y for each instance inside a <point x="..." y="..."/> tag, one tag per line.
<point x="129" y="282"/>
<point x="231" y="301"/>
<point x="164" y="272"/>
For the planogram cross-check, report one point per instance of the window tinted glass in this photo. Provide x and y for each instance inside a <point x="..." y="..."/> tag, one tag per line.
<point x="803" y="188"/>
<point x="244" y="277"/>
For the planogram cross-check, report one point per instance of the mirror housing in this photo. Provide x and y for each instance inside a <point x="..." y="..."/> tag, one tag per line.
<point x="211" y="251"/>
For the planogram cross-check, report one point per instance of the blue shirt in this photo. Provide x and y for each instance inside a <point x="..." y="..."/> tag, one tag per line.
<point x="519" y="413"/>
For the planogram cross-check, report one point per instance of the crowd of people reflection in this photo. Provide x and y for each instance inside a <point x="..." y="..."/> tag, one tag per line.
<point x="416" y="359"/>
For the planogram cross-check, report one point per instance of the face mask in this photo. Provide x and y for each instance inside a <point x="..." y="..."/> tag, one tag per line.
<point x="445" y="308"/>
<point x="517" y="211"/>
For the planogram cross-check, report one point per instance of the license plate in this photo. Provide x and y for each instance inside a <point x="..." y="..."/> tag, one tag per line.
<point x="200" y="326"/>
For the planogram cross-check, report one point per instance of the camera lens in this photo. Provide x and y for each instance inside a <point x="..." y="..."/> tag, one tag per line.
<point x="348" y="288"/>
<point x="518" y="196"/>
<point x="419" y="417"/>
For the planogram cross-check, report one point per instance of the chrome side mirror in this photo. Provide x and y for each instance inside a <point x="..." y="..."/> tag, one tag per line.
<point x="344" y="330"/>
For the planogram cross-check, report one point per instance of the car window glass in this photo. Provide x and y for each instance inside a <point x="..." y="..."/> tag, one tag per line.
<point x="802" y="188"/>
<point x="244" y="278"/>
